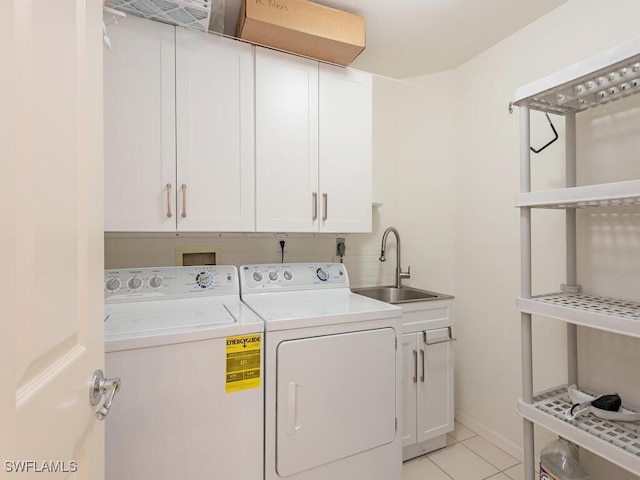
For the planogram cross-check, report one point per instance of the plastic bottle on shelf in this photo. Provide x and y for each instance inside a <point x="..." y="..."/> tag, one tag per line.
<point x="559" y="460"/>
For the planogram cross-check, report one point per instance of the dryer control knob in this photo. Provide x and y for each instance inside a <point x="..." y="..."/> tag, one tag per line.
<point x="112" y="284"/>
<point x="273" y="275"/>
<point x="156" y="281"/>
<point x="287" y="275"/>
<point x="257" y="276"/>
<point x="322" y="274"/>
<point x="134" y="283"/>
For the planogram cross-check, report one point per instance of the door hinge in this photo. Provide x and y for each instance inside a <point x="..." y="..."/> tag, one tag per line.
<point x="396" y="340"/>
<point x="396" y="424"/>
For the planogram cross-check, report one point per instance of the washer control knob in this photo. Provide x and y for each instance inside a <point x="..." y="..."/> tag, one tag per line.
<point x="204" y="280"/>
<point x="322" y="274"/>
<point x="287" y="275"/>
<point x="273" y="275"/>
<point x="134" y="283"/>
<point x="156" y="282"/>
<point x="257" y="276"/>
<point x="112" y="284"/>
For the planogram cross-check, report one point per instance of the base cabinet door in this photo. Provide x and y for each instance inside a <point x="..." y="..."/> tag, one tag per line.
<point x="409" y="388"/>
<point x="435" y="392"/>
<point x="427" y="385"/>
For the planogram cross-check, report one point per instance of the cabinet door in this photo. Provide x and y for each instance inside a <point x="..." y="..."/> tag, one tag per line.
<point x="409" y="387"/>
<point x="286" y="142"/>
<point x="435" y="394"/>
<point x="215" y="152"/>
<point x="345" y="149"/>
<point x="139" y="127"/>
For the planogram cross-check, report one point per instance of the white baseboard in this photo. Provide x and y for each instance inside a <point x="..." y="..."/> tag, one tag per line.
<point x="499" y="441"/>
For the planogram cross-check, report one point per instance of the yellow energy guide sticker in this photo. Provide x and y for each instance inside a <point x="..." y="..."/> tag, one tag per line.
<point x="243" y="362"/>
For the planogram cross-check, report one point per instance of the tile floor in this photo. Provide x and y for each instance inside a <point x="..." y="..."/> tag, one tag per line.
<point x="467" y="456"/>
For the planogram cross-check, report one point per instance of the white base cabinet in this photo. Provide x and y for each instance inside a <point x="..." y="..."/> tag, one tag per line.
<point x="313" y="146"/>
<point x="427" y="379"/>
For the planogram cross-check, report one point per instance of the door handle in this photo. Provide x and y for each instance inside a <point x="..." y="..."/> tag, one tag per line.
<point x="292" y="408"/>
<point x="103" y="386"/>
<point x="422" y="357"/>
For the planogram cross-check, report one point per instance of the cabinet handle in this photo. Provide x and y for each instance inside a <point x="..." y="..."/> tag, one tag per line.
<point x="184" y="199"/>
<point x="415" y="366"/>
<point x="422" y="357"/>
<point x="325" y="204"/>
<point x="314" y="201"/>
<point x="169" y="214"/>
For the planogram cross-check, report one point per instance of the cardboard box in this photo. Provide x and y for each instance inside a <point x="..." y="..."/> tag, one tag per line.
<point x="303" y="27"/>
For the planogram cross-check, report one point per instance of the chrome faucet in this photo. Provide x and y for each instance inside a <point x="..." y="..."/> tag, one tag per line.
<point x="399" y="273"/>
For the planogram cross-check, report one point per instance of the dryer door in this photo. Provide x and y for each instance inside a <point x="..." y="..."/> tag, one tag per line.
<point x="336" y="397"/>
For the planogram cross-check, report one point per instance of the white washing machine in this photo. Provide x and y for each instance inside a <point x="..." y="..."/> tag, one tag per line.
<point x="189" y="356"/>
<point x="332" y="374"/>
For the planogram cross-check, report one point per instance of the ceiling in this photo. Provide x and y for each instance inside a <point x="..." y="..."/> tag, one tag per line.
<point x="408" y="38"/>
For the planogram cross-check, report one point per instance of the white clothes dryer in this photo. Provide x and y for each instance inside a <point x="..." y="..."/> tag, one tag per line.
<point x="332" y="374"/>
<point x="189" y="356"/>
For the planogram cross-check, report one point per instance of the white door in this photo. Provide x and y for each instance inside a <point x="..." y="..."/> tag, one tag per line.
<point x="345" y="149"/>
<point x="51" y="201"/>
<point x="336" y="397"/>
<point x="435" y="394"/>
<point x="139" y="127"/>
<point x="287" y="197"/>
<point x="409" y="387"/>
<point x="214" y="125"/>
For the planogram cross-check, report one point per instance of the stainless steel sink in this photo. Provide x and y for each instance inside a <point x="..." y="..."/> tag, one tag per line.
<point x="399" y="295"/>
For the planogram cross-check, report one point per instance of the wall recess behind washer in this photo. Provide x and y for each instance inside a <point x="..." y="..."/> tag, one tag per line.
<point x="188" y="255"/>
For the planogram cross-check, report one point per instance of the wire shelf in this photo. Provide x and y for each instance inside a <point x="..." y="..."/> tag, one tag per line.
<point x="608" y="314"/>
<point x="618" y="441"/>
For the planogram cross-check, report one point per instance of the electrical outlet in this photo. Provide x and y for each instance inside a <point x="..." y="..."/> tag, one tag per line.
<point x="339" y="241"/>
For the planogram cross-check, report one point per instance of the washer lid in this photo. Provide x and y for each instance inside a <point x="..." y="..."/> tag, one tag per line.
<point x="163" y="322"/>
<point x="134" y="320"/>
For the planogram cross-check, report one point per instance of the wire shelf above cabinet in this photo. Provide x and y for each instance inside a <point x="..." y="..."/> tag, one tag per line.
<point x="609" y="76"/>
<point x="619" y="441"/>
<point x="608" y="314"/>
<point x="602" y="195"/>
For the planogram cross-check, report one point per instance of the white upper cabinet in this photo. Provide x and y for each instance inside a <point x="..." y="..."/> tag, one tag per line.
<point x="139" y="127"/>
<point x="286" y="142"/>
<point x="345" y="149"/>
<point x="215" y="140"/>
<point x="179" y="141"/>
<point x="313" y="146"/>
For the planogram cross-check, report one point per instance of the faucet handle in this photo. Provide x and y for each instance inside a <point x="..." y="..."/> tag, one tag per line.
<point x="406" y="274"/>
